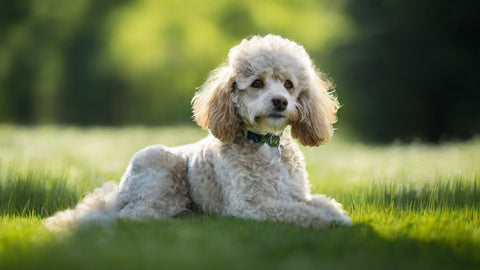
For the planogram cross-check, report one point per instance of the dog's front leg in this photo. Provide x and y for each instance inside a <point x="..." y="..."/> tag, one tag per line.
<point x="299" y="213"/>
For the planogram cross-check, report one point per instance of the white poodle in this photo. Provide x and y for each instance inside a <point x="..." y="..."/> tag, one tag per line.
<point x="249" y="166"/>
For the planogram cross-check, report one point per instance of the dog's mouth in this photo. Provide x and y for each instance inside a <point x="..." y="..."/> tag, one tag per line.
<point x="276" y="116"/>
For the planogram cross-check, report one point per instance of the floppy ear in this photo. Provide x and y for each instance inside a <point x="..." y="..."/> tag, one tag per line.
<point x="213" y="107"/>
<point x="317" y="112"/>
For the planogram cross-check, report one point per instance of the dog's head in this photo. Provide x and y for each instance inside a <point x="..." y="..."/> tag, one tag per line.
<point x="268" y="83"/>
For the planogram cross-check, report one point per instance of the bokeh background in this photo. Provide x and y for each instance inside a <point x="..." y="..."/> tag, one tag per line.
<point x="404" y="69"/>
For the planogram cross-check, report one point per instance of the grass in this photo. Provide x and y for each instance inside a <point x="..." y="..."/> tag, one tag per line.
<point x="413" y="206"/>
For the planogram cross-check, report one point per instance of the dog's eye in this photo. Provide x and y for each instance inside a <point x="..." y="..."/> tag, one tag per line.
<point x="288" y="84"/>
<point x="257" y="84"/>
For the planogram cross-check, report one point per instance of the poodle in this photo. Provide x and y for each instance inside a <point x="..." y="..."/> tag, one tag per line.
<point x="249" y="166"/>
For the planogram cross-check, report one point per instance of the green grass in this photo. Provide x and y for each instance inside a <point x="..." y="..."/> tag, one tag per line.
<point x="413" y="207"/>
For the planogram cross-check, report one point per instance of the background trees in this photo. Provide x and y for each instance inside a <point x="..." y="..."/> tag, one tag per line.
<point x="404" y="69"/>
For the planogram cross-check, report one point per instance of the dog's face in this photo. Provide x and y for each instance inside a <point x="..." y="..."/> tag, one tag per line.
<point x="268" y="83"/>
<point x="266" y="102"/>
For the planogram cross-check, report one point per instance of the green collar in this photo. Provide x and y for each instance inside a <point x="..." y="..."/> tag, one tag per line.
<point x="270" y="139"/>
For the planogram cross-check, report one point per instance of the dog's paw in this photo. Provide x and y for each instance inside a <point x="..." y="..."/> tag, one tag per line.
<point x="342" y="221"/>
<point x="324" y="219"/>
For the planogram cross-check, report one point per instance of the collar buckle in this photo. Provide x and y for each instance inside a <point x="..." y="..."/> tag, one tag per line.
<point x="270" y="139"/>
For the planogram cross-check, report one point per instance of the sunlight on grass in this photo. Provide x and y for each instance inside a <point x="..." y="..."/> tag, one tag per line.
<point x="413" y="205"/>
<point x="29" y="192"/>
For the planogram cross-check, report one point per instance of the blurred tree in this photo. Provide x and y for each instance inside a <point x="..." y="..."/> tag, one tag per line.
<point x="15" y="105"/>
<point x="91" y="92"/>
<point x="134" y="61"/>
<point x="411" y="70"/>
<point x="50" y="64"/>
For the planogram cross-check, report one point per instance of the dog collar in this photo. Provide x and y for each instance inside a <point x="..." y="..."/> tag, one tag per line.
<point x="270" y="139"/>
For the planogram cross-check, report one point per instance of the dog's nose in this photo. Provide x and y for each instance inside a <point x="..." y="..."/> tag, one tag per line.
<point x="279" y="103"/>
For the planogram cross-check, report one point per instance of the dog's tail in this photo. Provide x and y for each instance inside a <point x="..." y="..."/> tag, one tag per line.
<point x="99" y="207"/>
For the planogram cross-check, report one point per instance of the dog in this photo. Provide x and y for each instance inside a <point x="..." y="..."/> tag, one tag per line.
<point x="265" y="95"/>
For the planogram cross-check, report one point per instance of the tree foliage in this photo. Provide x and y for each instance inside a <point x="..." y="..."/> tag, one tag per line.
<point x="410" y="71"/>
<point x="133" y="62"/>
<point x="403" y="69"/>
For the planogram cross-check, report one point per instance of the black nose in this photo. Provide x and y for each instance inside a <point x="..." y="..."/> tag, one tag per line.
<point x="279" y="103"/>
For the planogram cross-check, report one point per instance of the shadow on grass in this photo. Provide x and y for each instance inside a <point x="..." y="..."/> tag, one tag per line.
<point x="202" y="242"/>
<point x="225" y="243"/>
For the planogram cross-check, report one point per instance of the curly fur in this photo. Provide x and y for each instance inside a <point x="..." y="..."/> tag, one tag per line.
<point x="225" y="173"/>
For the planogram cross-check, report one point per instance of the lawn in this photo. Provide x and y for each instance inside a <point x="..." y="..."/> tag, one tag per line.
<point x="414" y="206"/>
